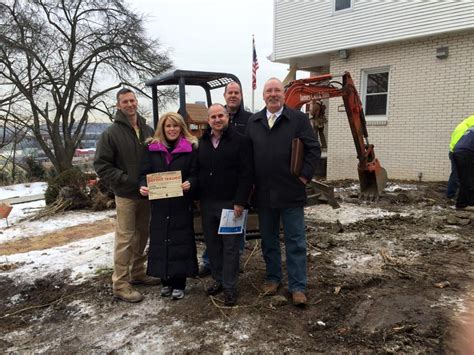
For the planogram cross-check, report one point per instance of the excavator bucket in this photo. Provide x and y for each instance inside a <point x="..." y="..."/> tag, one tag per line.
<point x="372" y="181"/>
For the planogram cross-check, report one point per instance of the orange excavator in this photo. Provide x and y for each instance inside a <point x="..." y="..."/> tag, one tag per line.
<point x="372" y="177"/>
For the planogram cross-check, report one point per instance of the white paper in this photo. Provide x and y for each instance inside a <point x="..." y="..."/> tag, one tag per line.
<point x="230" y="224"/>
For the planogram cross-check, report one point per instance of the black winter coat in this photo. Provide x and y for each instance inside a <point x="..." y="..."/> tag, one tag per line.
<point x="239" y="119"/>
<point x="275" y="186"/>
<point x="225" y="172"/>
<point x="172" y="249"/>
<point x="118" y="155"/>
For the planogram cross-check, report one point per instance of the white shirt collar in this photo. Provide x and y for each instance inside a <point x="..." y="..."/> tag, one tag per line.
<point x="277" y="114"/>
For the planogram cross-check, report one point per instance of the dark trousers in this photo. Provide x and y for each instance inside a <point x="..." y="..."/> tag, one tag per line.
<point x="205" y="256"/>
<point x="176" y="283"/>
<point x="453" y="181"/>
<point x="223" y="250"/>
<point x="465" y="168"/>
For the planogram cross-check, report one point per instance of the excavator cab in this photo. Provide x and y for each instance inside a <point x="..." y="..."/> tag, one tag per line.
<point x="194" y="114"/>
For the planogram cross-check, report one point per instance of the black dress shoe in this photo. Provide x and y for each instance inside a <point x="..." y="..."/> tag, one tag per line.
<point x="230" y="298"/>
<point x="214" y="289"/>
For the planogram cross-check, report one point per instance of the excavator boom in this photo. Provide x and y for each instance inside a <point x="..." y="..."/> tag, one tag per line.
<point x="372" y="177"/>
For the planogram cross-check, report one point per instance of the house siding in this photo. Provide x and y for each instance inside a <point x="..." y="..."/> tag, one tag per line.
<point x="305" y="28"/>
<point x="428" y="98"/>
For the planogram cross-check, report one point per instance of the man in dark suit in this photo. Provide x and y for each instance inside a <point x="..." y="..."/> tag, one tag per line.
<point x="225" y="181"/>
<point x="279" y="194"/>
<point x="238" y="118"/>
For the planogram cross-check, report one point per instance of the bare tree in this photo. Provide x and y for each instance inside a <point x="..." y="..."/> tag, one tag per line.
<point x="61" y="59"/>
<point x="11" y="134"/>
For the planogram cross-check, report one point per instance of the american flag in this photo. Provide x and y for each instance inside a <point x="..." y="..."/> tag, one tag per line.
<point x="254" y="66"/>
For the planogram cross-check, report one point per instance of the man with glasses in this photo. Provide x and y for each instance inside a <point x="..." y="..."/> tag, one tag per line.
<point x="280" y="195"/>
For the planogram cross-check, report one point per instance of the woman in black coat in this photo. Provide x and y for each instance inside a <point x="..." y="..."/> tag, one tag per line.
<point x="172" y="252"/>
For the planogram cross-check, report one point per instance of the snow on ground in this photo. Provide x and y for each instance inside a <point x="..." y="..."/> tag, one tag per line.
<point x="18" y="229"/>
<point x="20" y="190"/>
<point x="391" y="187"/>
<point x="348" y="213"/>
<point x="372" y="263"/>
<point x="35" y="228"/>
<point x="82" y="258"/>
<point x="124" y="331"/>
<point x="20" y="211"/>
<point x="350" y="262"/>
<point x="435" y="237"/>
<point x="128" y="334"/>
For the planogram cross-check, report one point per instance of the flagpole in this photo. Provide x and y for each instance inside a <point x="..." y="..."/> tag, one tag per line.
<point x="254" y="72"/>
<point x="253" y="90"/>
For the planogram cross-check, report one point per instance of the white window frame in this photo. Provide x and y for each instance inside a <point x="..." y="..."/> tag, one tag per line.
<point x="335" y="12"/>
<point x="363" y="91"/>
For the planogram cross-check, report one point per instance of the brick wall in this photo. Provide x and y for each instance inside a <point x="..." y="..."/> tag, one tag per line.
<point x="428" y="98"/>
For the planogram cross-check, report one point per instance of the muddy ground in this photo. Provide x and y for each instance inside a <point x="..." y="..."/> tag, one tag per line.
<point x="391" y="283"/>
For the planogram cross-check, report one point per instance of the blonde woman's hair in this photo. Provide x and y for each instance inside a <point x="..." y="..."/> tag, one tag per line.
<point x="176" y="118"/>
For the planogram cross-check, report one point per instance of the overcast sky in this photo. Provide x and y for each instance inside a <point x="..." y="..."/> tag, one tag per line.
<point x="216" y="36"/>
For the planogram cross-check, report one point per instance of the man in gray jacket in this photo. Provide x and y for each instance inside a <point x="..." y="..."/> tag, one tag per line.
<point x="117" y="162"/>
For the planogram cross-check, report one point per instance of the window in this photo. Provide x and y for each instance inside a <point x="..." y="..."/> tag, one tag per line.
<point x="340" y="5"/>
<point x="375" y="84"/>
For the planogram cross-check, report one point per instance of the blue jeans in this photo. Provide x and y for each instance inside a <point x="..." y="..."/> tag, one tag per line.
<point x="453" y="182"/>
<point x="205" y="256"/>
<point x="295" y="245"/>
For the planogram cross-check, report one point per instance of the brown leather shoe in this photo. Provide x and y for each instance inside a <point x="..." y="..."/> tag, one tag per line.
<point x="146" y="280"/>
<point x="128" y="294"/>
<point x="270" y="288"/>
<point x="299" y="299"/>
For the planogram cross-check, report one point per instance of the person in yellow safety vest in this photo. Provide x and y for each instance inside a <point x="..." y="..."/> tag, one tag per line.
<point x="453" y="182"/>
